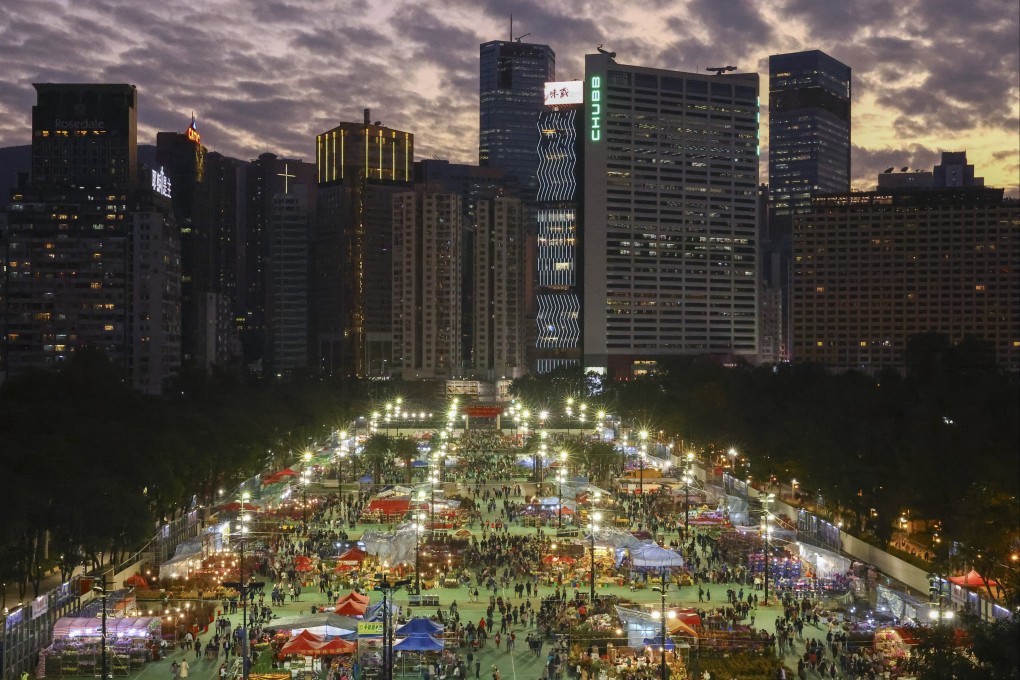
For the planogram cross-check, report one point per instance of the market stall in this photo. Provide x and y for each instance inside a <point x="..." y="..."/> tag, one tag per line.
<point x="77" y="645"/>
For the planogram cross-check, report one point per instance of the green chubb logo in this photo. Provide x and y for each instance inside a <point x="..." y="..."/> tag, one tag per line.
<point x="596" y="108"/>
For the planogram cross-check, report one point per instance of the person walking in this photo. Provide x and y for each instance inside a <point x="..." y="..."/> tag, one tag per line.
<point x="184" y="669"/>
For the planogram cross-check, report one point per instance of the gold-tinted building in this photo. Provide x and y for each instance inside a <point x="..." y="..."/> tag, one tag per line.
<point x="873" y="269"/>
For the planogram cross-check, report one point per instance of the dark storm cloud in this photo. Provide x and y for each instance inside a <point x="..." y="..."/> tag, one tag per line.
<point x="270" y="74"/>
<point x="868" y="163"/>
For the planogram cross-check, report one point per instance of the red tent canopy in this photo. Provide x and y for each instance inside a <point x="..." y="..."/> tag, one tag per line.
<point x="136" y="580"/>
<point x="337" y="646"/>
<point x="390" y="506"/>
<point x="302" y="643"/>
<point x="972" y="579"/>
<point x="355" y="554"/>
<point x="304" y="567"/>
<point x="351" y="608"/>
<point x="272" y="479"/>
<point x="285" y="472"/>
<point x="353" y="597"/>
<point x="302" y="558"/>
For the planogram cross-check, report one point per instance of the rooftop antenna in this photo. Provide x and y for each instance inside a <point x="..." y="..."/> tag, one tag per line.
<point x="511" y="27"/>
<point x="521" y="37"/>
<point x="719" y="70"/>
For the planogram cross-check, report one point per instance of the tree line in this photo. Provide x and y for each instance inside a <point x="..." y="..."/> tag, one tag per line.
<point x="91" y="468"/>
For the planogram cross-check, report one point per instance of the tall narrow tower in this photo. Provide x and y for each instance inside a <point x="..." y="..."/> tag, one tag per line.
<point x="511" y="86"/>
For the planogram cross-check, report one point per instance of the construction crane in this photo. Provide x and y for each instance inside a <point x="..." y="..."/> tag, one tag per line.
<point x="719" y="70"/>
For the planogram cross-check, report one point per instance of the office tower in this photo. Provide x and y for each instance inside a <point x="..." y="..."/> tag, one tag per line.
<point x="209" y="208"/>
<point x="287" y="285"/>
<point x="511" y="86"/>
<point x="473" y="184"/>
<point x="669" y="215"/>
<point x="558" y="298"/>
<point x="499" y="289"/>
<point x="92" y="255"/>
<point x="426" y="284"/>
<point x="873" y="269"/>
<point x="809" y="129"/>
<point x="84" y="135"/>
<point x="359" y="167"/>
<point x="809" y="154"/>
<point x="268" y="177"/>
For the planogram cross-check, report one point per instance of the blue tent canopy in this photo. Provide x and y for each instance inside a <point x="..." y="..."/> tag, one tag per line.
<point x="419" y="642"/>
<point x="420" y="626"/>
<point x="419" y="464"/>
<point x="367" y="479"/>
<point x="657" y="642"/>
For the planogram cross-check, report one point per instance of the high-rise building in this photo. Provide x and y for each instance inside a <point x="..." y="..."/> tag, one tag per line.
<point x="209" y="208"/>
<point x="268" y="177"/>
<point x="287" y="285"/>
<point x="809" y="154"/>
<point x="809" y="129"/>
<point x="873" y="269"/>
<point x="511" y="87"/>
<point x="85" y="135"/>
<point x="557" y="276"/>
<point x="426" y="285"/>
<point x="669" y="215"/>
<point x="92" y="256"/>
<point x="359" y="167"/>
<point x="499" y="289"/>
<point x="473" y="184"/>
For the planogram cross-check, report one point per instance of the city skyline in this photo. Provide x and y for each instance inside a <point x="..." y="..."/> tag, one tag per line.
<point x="270" y="75"/>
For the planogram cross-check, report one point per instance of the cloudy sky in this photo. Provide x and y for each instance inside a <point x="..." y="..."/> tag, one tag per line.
<point x="267" y="75"/>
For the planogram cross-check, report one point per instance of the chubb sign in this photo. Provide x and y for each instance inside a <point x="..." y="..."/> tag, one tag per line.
<point x="595" y="117"/>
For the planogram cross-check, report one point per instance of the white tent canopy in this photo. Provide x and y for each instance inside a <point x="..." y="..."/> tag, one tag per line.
<point x="826" y="563"/>
<point x="651" y="555"/>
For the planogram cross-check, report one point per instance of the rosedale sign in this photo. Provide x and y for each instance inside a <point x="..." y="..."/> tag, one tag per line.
<point x="87" y="124"/>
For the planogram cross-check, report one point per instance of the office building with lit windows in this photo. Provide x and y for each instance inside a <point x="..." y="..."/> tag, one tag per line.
<point x="809" y="155"/>
<point x="557" y="293"/>
<point x="669" y="215"/>
<point x="426" y="285"/>
<point x="498" y="284"/>
<point x="872" y="269"/>
<point x="92" y="255"/>
<point x="359" y="168"/>
<point x="512" y="77"/>
<point x="85" y="135"/>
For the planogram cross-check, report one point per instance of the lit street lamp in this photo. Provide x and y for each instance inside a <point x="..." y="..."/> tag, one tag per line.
<point x="561" y="476"/>
<point x="688" y="473"/>
<point x="662" y="615"/>
<point x="641" y="457"/>
<point x="594" y="517"/>
<point x="101" y="591"/>
<point x="766" y="529"/>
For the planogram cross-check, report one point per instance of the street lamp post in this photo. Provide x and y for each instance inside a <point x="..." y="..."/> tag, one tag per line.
<point x="593" y="520"/>
<point x="418" y="517"/>
<point x="560" y="478"/>
<point x="662" y="616"/>
<point x="765" y="532"/>
<point x="105" y="669"/>
<point x="687" y="493"/>
<point x="641" y="458"/>
<point x="243" y="587"/>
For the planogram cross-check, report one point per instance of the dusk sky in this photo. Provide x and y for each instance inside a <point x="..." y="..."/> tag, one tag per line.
<point x="267" y="75"/>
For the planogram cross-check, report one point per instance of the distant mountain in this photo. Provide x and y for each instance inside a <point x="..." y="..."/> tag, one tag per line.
<point x="15" y="159"/>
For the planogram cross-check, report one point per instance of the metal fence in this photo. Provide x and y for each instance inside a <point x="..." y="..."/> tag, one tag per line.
<point x="29" y="630"/>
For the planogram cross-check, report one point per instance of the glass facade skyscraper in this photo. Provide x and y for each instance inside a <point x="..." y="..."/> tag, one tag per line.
<point x="511" y="86"/>
<point x="809" y="129"/>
